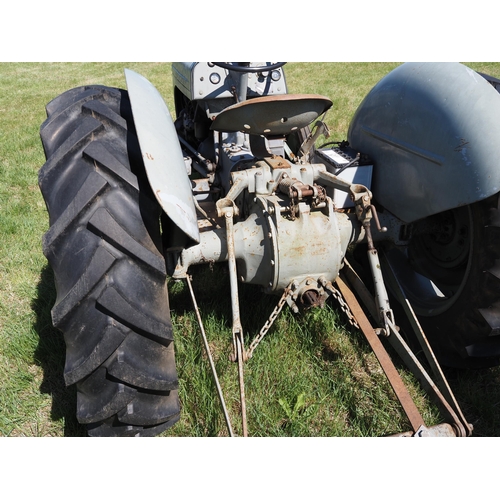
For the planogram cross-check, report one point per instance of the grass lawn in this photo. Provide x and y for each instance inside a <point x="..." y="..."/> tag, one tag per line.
<point x="312" y="376"/>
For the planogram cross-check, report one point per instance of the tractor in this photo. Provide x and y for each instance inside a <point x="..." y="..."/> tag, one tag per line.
<point x="402" y="213"/>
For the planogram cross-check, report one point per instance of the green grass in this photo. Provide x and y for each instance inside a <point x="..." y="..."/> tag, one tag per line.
<point x="313" y="375"/>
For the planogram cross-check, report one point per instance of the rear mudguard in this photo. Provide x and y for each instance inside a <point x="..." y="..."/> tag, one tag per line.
<point x="163" y="159"/>
<point x="433" y="132"/>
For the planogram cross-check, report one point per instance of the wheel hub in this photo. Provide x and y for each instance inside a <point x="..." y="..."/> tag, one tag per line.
<point x="444" y="238"/>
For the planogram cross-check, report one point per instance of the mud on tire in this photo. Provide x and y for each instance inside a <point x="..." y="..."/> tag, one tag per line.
<point x="104" y="246"/>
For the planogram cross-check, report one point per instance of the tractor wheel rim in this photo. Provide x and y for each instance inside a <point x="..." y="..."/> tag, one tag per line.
<point x="440" y="257"/>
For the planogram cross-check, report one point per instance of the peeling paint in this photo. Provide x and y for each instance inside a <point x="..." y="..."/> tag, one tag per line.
<point x="465" y="157"/>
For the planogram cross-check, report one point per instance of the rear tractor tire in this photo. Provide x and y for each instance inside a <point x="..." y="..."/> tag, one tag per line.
<point x="455" y="285"/>
<point x="104" y="246"/>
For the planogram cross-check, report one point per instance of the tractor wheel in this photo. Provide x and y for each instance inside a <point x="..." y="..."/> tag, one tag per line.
<point x="454" y="285"/>
<point x="104" y="246"/>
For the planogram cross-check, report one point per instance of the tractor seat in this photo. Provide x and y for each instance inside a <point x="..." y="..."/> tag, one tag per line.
<point x="274" y="115"/>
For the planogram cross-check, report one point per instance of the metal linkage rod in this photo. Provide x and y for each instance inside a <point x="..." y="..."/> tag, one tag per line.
<point x="239" y="350"/>
<point x="385" y="361"/>
<point x="444" y="398"/>
<point x="210" y="359"/>
<point x="454" y="409"/>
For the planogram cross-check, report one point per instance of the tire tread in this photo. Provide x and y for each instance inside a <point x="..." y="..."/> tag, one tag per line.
<point x="104" y="246"/>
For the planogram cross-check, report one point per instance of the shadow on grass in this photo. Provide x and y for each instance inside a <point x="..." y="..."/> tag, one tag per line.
<point x="50" y="356"/>
<point x="213" y="295"/>
<point x="477" y="391"/>
<point x="478" y="394"/>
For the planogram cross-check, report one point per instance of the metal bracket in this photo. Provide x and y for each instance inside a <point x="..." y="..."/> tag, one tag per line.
<point x="320" y="128"/>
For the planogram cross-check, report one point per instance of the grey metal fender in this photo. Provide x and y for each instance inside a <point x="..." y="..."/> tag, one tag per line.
<point x="433" y="131"/>
<point x="161" y="151"/>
